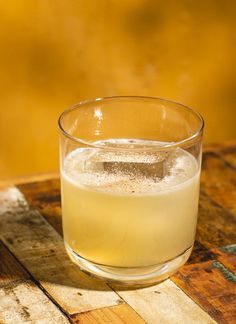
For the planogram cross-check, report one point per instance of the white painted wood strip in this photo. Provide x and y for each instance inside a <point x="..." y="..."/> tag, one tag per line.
<point x="41" y="250"/>
<point x="24" y="302"/>
<point x="165" y="303"/>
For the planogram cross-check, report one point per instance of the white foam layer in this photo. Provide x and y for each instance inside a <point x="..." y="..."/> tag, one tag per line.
<point x="129" y="172"/>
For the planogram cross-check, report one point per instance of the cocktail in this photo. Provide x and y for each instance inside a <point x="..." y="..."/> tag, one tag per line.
<point x="130" y="169"/>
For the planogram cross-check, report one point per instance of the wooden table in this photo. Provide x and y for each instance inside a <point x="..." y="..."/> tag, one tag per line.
<point x="39" y="284"/>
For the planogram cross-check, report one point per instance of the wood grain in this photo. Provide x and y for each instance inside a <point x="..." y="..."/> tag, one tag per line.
<point x="218" y="181"/>
<point x="24" y="302"/>
<point x="21" y="300"/>
<point x="120" y="314"/>
<point x="164" y="303"/>
<point x="216" y="225"/>
<point x="45" y="196"/>
<point x="41" y="250"/>
<point x="208" y="285"/>
<point x="10" y="269"/>
<point x="227" y="256"/>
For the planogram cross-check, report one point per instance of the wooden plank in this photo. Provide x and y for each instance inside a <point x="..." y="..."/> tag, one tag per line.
<point x="15" y="306"/>
<point x="216" y="225"/>
<point x="41" y="250"/>
<point x="10" y="270"/>
<point x="218" y="181"/>
<point x="45" y="196"/>
<point x="120" y="314"/>
<point x="209" y="286"/>
<point x="24" y="302"/>
<point x="164" y="303"/>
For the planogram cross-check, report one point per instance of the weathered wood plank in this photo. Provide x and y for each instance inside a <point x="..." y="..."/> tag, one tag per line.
<point x="41" y="250"/>
<point x="14" y="306"/>
<point x="164" y="303"/>
<point x="24" y="302"/>
<point x="120" y="314"/>
<point x="218" y="181"/>
<point x="216" y="225"/>
<point x="208" y="285"/>
<point x="45" y="197"/>
<point x="10" y="270"/>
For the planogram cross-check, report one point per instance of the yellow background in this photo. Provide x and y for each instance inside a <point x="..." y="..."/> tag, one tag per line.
<point x="55" y="53"/>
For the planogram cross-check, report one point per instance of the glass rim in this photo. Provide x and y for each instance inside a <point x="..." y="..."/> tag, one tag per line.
<point x="76" y="106"/>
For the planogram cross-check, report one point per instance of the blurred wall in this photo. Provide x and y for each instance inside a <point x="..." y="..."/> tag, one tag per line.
<point x="55" y="53"/>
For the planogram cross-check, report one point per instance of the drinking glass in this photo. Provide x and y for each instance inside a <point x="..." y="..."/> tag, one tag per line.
<point x="130" y="169"/>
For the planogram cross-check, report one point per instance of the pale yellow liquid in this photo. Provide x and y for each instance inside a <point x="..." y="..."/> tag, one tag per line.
<point x="127" y="214"/>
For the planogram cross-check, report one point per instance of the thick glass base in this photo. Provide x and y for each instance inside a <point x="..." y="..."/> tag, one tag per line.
<point x="138" y="276"/>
